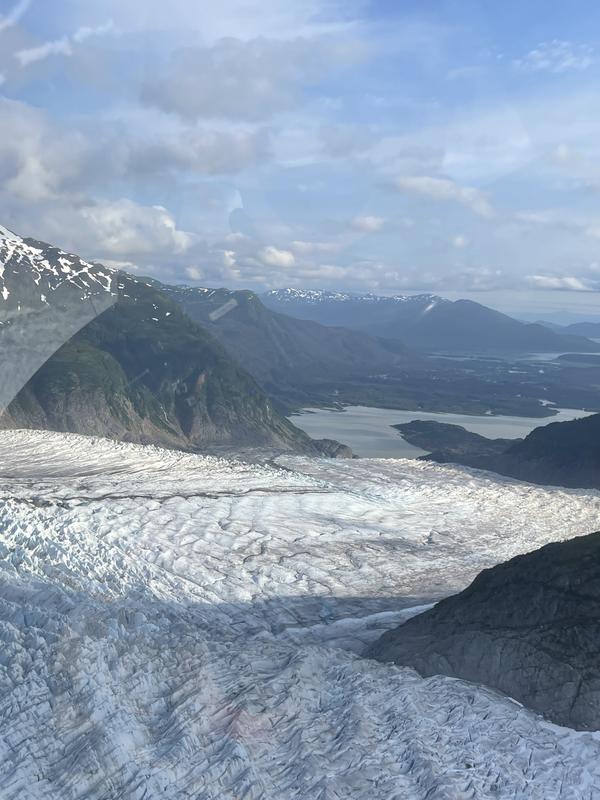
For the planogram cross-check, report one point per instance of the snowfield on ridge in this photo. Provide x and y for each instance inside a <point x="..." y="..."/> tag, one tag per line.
<point x="182" y="626"/>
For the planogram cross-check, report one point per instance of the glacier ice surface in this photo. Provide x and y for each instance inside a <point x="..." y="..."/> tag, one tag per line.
<point x="184" y="626"/>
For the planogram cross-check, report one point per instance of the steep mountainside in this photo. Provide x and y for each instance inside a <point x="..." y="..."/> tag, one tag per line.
<point x="528" y="627"/>
<point x="427" y="322"/>
<point x="46" y="295"/>
<point x="140" y="371"/>
<point x="283" y="353"/>
<point x="560" y="453"/>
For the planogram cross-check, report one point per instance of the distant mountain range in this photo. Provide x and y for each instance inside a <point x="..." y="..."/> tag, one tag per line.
<point x="140" y="370"/>
<point x="92" y="350"/>
<point x="285" y="354"/>
<point x="590" y="329"/>
<point x="560" y="453"/>
<point x="528" y="627"/>
<point x="426" y="322"/>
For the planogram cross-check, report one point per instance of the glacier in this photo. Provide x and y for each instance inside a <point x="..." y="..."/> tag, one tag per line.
<point x="191" y="626"/>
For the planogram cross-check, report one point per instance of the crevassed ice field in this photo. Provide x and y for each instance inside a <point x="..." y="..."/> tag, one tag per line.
<point x="178" y="626"/>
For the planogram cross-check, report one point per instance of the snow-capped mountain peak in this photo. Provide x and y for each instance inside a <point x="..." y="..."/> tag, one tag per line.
<point x="31" y="272"/>
<point x="46" y="296"/>
<point x="6" y="234"/>
<point x="321" y="296"/>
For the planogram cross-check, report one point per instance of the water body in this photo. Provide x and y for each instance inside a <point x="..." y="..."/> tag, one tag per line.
<point x="369" y="433"/>
<point x="535" y="357"/>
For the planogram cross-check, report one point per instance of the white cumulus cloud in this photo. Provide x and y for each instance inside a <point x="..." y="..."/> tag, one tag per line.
<point x="122" y="227"/>
<point x="446" y="189"/>
<point x="273" y="257"/>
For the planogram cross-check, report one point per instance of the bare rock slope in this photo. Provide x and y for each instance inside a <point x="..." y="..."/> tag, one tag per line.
<point x="529" y="627"/>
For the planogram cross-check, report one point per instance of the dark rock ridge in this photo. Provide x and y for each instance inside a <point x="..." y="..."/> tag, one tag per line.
<point x="529" y="627"/>
<point x="559" y="453"/>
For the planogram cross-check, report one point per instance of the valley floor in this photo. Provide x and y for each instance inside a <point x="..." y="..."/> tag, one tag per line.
<point x="178" y="626"/>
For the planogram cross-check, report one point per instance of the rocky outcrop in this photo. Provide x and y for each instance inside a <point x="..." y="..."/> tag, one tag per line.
<point x="558" y="453"/>
<point x="529" y="627"/>
<point x="447" y="442"/>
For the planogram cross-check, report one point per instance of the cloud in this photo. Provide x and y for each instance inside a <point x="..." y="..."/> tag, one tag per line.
<point x="565" y="221"/>
<point x="592" y="230"/>
<point x="460" y="241"/>
<point x="243" y="80"/>
<point x="563" y="283"/>
<point x="342" y="141"/>
<point x="14" y="16"/>
<point x="274" y="133"/>
<point x="368" y="224"/>
<point x="446" y="189"/>
<point x="37" y="160"/>
<point x="123" y="227"/>
<point x="558" y="56"/>
<point x="86" y="32"/>
<point x="42" y="51"/>
<point x="282" y="19"/>
<point x="464" y="73"/>
<point x="62" y="46"/>
<point x="194" y="273"/>
<point x="313" y="248"/>
<point x="273" y="257"/>
<point x="40" y="161"/>
<point x="204" y="151"/>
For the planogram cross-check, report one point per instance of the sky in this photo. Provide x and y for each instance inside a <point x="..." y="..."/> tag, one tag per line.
<point x="386" y="146"/>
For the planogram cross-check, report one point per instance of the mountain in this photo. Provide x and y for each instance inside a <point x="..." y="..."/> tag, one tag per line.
<point x="553" y="326"/>
<point x="591" y="329"/>
<point x="560" y="453"/>
<point x="359" y="311"/>
<point x="528" y="627"/>
<point x="140" y="370"/>
<point x="46" y="296"/>
<point x="286" y="355"/>
<point x="426" y="322"/>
